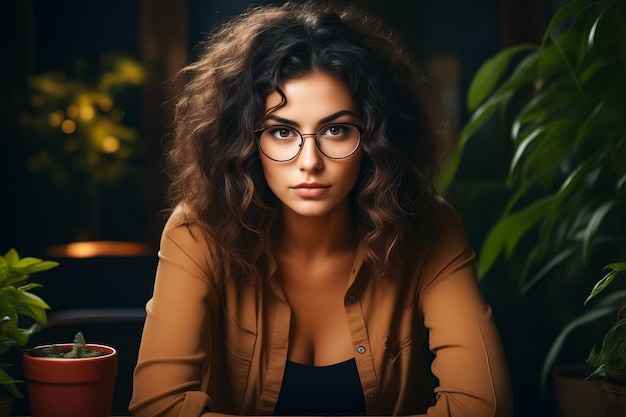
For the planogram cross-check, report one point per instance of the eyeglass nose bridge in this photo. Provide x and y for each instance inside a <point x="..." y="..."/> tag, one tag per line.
<point x="301" y="145"/>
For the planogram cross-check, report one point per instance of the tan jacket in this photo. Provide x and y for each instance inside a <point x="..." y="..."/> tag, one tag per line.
<point x="210" y="348"/>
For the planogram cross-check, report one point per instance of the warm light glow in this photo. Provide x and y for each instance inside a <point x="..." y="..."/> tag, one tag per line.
<point x="72" y="111"/>
<point x="99" y="248"/>
<point x="106" y="104"/>
<point x="110" y="144"/>
<point x="87" y="112"/>
<point x="55" y="118"/>
<point x="117" y="115"/>
<point x="68" y="126"/>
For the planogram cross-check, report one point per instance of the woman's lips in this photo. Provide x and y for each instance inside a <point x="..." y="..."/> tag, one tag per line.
<point x="310" y="189"/>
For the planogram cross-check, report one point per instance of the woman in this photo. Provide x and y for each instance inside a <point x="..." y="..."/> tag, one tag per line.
<point x="308" y="253"/>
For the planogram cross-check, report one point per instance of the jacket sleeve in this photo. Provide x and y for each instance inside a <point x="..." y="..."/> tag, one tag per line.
<point x="173" y="351"/>
<point x="469" y="361"/>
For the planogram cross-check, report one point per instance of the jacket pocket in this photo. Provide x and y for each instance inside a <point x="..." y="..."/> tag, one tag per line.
<point x="239" y="343"/>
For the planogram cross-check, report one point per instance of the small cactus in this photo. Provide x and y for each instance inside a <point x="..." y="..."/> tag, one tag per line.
<point x="79" y="350"/>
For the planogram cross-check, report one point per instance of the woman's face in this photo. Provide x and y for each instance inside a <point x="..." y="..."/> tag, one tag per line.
<point x="312" y="184"/>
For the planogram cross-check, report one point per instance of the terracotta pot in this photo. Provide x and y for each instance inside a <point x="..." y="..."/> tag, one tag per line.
<point x="614" y="400"/>
<point x="575" y="396"/>
<point x="70" y="387"/>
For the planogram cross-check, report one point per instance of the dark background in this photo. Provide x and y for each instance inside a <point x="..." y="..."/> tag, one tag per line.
<point x="42" y="36"/>
<point x="450" y="39"/>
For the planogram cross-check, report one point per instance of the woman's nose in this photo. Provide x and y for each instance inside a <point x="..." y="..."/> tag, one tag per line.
<point x="310" y="157"/>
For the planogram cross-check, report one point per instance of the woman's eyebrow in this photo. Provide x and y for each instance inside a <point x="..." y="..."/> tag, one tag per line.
<point x="322" y="121"/>
<point x="335" y="116"/>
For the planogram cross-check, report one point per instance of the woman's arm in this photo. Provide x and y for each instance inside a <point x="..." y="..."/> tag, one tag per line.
<point x="469" y="359"/>
<point x="174" y="344"/>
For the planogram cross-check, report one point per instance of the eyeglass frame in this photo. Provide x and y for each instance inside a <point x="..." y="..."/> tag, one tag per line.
<point x="258" y="132"/>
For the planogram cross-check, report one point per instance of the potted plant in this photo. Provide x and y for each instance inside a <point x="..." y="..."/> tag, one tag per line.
<point x="71" y="380"/>
<point x="16" y="301"/>
<point x="560" y="105"/>
<point x="608" y="362"/>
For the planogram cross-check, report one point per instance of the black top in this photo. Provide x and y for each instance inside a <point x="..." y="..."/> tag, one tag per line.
<point x="321" y="390"/>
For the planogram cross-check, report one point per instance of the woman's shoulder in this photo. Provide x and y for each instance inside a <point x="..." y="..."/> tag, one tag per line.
<point x="178" y="216"/>
<point x="442" y="246"/>
<point x="182" y="220"/>
<point x="182" y="234"/>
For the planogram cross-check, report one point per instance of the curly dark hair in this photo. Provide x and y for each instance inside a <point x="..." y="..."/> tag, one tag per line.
<point x="214" y="160"/>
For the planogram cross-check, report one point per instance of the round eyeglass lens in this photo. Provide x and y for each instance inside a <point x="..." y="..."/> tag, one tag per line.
<point x="338" y="140"/>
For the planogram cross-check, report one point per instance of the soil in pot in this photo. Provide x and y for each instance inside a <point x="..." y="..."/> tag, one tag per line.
<point x="78" y="350"/>
<point x="70" y="387"/>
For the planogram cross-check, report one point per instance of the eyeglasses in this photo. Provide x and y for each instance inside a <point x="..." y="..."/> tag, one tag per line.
<point x="283" y="143"/>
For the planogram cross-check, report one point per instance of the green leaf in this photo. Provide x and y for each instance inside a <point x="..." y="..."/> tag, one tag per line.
<point x="480" y="116"/>
<point x="525" y="73"/>
<point x="617" y="266"/>
<point x="14" y="270"/>
<point x="612" y="345"/>
<point x="31" y="299"/>
<point x="598" y="26"/>
<point x="565" y="11"/>
<point x="592" y="34"/>
<point x="29" y="286"/>
<point x="29" y="266"/>
<point x="523" y="146"/>
<point x="550" y="265"/>
<point x="491" y="72"/>
<point x="9" y="383"/>
<point x="598" y="372"/>
<point x="613" y="269"/>
<point x="587" y="171"/>
<point x="504" y="236"/>
<point x="32" y="306"/>
<point x="592" y="226"/>
<point x="449" y="168"/>
<point x="11" y="257"/>
<point x="543" y="108"/>
<point x="538" y="167"/>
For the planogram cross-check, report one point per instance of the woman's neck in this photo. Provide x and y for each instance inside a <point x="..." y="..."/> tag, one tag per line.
<point x="317" y="236"/>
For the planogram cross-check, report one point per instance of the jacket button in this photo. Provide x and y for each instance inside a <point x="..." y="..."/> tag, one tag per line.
<point x="373" y="396"/>
<point x="361" y="349"/>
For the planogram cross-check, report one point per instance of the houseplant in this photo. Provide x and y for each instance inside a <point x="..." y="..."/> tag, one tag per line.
<point x="568" y="139"/>
<point x="16" y="301"/>
<point x="82" y="140"/>
<point x="559" y="106"/>
<point x="71" y="379"/>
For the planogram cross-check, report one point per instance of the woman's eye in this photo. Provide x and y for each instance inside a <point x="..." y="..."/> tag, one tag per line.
<point x="334" y="130"/>
<point x="282" y="133"/>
